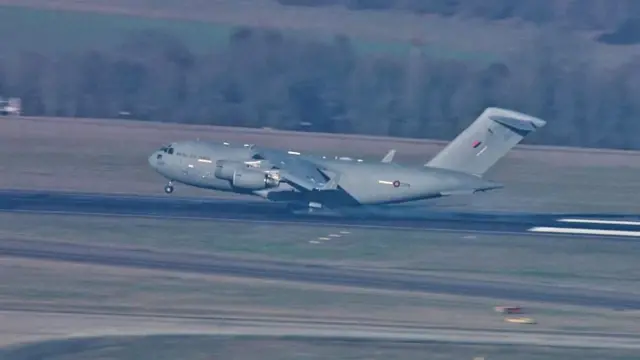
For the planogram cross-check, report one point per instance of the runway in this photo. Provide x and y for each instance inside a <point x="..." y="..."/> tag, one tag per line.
<point x="172" y="207"/>
<point x="613" y="226"/>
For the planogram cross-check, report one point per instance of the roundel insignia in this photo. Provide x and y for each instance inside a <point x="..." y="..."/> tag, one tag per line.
<point x="396" y="183"/>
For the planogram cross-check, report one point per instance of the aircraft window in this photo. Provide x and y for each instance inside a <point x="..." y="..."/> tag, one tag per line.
<point x="257" y="157"/>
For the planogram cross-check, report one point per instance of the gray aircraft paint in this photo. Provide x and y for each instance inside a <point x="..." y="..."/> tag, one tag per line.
<point x="491" y="136"/>
<point x="389" y="157"/>
<point x="308" y="179"/>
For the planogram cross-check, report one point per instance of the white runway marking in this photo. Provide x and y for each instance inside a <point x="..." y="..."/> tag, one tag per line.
<point x="601" y="222"/>
<point x="578" y="231"/>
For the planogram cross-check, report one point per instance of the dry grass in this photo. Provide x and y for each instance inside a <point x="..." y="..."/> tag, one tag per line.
<point x="111" y="156"/>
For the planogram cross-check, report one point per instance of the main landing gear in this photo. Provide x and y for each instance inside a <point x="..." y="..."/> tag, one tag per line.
<point x="169" y="188"/>
<point x="308" y="208"/>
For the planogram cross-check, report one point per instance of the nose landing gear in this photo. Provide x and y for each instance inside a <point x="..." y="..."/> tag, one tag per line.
<point x="168" y="188"/>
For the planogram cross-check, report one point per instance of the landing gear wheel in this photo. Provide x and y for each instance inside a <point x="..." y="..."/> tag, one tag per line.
<point x="168" y="189"/>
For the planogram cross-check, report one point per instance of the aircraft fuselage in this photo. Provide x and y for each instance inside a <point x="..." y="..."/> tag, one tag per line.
<point x="196" y="164"/>
<point x="317" y="181"/>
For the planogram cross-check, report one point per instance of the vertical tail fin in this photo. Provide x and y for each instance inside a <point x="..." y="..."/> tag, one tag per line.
<point x="490" y="137"/>
<point x="389" y="157"/>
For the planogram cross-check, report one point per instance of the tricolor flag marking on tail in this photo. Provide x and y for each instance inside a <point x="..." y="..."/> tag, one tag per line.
<point x="465" y="153"/>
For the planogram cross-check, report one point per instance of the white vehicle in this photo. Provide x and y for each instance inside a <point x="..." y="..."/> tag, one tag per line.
<point x="11" y="106"/>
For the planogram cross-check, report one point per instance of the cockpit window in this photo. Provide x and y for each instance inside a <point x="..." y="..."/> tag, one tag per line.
<point x="167" y="149"/>
<point x="257" y="157"/>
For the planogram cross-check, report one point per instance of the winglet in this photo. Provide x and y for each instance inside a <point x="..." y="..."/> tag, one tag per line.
<point x="389" y="157"/>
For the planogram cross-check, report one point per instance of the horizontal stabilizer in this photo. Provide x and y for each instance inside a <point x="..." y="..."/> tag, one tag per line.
<point x="518" y="124"/>
<point x="489" y="138"/>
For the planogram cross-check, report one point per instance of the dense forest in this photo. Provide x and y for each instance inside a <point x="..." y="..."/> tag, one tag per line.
<point x="576" y="14"/>
<point x="264" y="78"/>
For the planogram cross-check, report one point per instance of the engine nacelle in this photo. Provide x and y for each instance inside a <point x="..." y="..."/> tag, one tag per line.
<point x="249" y="179"/>
<point x="225" y="169"/>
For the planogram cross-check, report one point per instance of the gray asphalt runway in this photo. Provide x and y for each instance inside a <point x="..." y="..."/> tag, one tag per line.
<point x="222" y="209"/>
<point x="43" y="202"/>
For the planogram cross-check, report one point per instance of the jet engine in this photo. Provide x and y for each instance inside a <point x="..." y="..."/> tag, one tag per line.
<point x="249" y="179"/>
<point x="225" y="169"/>
<point x="242" y="176"/>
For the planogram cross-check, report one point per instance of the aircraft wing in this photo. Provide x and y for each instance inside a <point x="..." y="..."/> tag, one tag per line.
<point x="298" y="171"/>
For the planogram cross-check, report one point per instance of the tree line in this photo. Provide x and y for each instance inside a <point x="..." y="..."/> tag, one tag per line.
<point x="266" y="79"/>
<point x="577" y="14"/>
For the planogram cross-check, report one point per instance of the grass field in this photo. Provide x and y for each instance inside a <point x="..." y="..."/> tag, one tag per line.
<point x="88" y="289"/>
<point x="569" y="262"/>
<point x="111" y="156"/>
<point x="204" y="347"/>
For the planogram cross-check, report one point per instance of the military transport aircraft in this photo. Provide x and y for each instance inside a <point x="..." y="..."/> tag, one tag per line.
<point x="308" y="182"/>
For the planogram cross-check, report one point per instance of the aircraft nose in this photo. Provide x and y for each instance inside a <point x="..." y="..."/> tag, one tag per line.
<point x="153" y="159"/>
